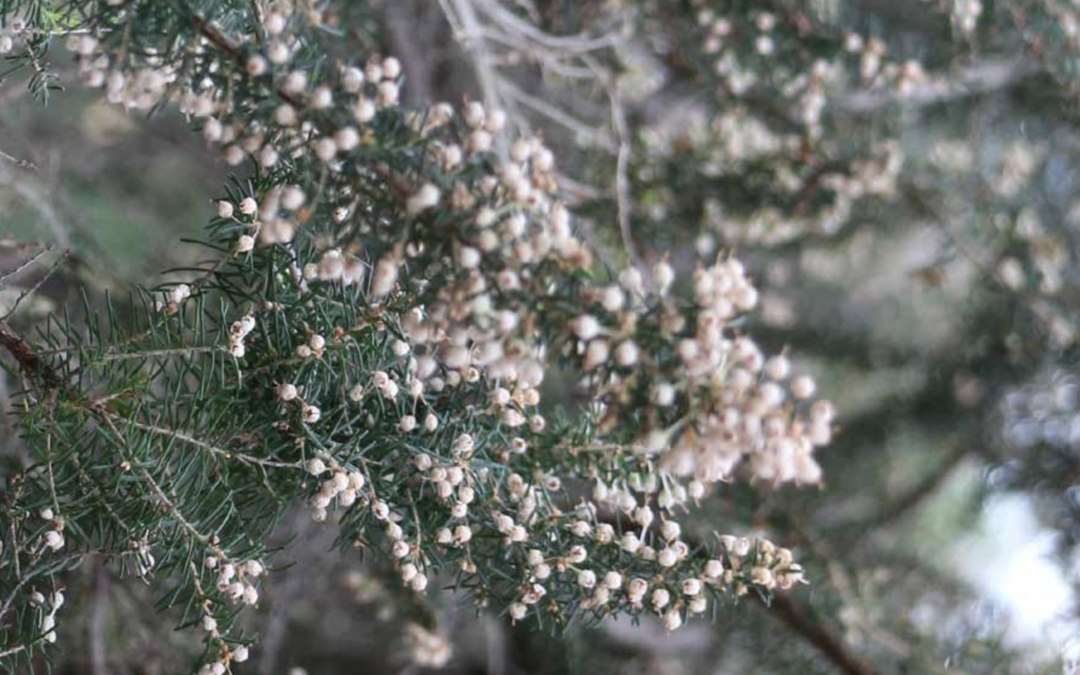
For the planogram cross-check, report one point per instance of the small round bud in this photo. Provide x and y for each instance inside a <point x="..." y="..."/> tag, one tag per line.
<point x="315" y="466"/>
<point x="803" y="387"/>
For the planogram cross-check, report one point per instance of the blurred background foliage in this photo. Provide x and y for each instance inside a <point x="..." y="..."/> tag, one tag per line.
<point x="915" y="241"/>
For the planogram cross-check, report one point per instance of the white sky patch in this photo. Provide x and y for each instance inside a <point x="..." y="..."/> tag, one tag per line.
<point x="1010" y="559"/>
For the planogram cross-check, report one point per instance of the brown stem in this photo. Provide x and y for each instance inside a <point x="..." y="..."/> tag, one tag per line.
<point x="214" y="35"/>
<point x="211" y="33"/>
<point x="29" y="362"/>
<point x="794" y="617"/>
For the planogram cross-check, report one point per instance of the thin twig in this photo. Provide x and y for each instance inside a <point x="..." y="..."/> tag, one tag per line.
<point x="185" y="524"/>
<point x="597" y="137"/>
<point x="21" y="163"/>
<point x="25" y="264"/>
<point x="514" y="24"/>
<point x="463" y="20"/>
<point x="26" y="293"/>
<point x="623" y="200"/>
<point x="190" y="440"/>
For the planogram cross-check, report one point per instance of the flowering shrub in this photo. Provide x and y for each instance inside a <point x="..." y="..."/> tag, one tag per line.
<point x="391" y="288"/>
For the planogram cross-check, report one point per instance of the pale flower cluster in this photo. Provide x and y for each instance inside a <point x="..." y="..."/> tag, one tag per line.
<point x="428" y="648"/>
<point x="750" y="414"/>
<point x="237" y="582"/>
<point x="46" y="609"/>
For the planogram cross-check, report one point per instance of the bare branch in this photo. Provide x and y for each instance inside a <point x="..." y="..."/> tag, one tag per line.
<point x="623" y="199"/>
<point x="4" y="276"/>
<point x="26" y="293"/>
<point x="21" y="163"/>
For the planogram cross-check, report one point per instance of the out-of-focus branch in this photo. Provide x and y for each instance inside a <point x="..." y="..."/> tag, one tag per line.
<point x="62" y="223"/>
<point x="513" y="24"/>
<point x="978" y="78"/>
<point x="38" y="199"/>
<point x="466" y="26"/>
<point x="588" y="134"/>
<point x="27" y="292"/>
<point x="834" y="340"/>
<point x="407" y="47"/>
<point x="21" y="163"/>
<point x="96" y="624"/>
<point x="4" y="276"/>
<point x="794" y="617"/>
<point x="623" y="199"/>
<point x="476" y="23"/>
<point x="918" y="493"/>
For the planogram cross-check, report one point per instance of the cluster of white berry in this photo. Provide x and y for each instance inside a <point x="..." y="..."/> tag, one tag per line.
<point x="173" y="298"/>
<point x="141" y="89"/>
<point x="428" y="648"/>
<point x="271" y="220"/>
<point x="747" y="412"/>
<point x="53" y="539"/>
<point x="344" y="488"/>
<point x="334" y="265"/>
<point x="744" y="133"/>
<point x="408" y="556"/>
<point x="288" y="393"/>
<point x="471" y="340"/>
<point x="221" y="665"/>
<point x="235" y="580"/>
<point x="730" y="399"/>
<point x="800" y="151"/>
<point x="47" y="609"/>
<point x="474" y="325"/>
<point x="740" y="138"/>
<point x="238" y="331"/>
<point x="363" y="91"/>
<point x="342" y="485"/>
